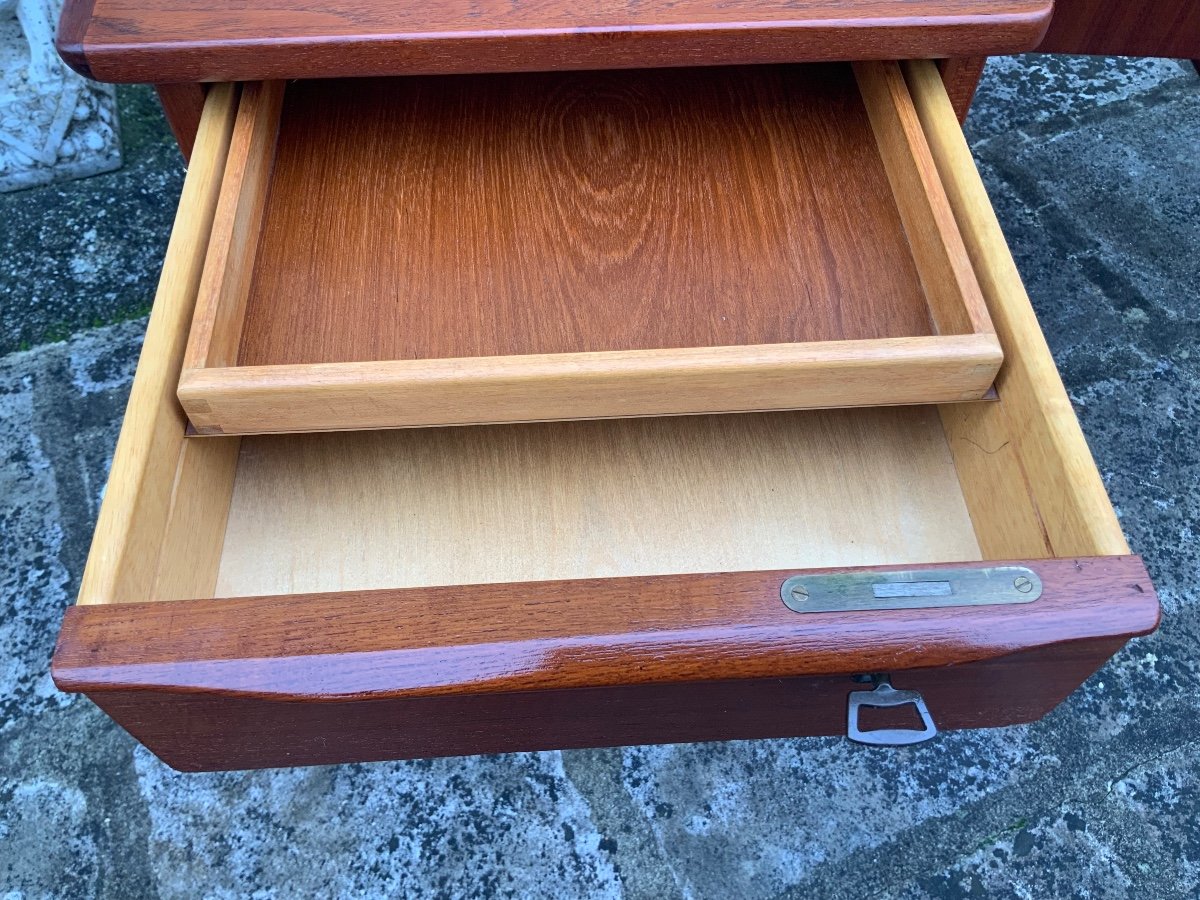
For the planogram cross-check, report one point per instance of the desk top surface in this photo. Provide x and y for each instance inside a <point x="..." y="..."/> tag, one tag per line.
<point x="231" y="40"/>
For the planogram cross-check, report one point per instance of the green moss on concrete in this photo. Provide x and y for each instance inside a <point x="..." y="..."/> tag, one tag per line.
<point x="87" y="253"/>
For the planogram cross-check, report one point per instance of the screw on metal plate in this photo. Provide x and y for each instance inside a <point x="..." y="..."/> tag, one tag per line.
<point x="911" y="589"/>
<point x="884" y="695"/>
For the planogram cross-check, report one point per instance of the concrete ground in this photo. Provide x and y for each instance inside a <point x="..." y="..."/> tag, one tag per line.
<point x="1094" y="167"/>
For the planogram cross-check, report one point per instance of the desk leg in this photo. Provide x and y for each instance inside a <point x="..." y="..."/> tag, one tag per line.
<point x="961" y="76"/>
<point x="183" y="104"/>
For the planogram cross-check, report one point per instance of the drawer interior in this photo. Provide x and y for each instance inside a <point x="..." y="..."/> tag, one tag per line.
<point x="408" y="508"/>
<point x="412" y="508"/>
<point x="595" y="244"/>
<point x="203" y="517"/>
<point x="430" y="218"/>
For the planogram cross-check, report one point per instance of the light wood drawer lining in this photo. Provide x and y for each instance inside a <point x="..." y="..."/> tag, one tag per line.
<point x="509" y="503"/>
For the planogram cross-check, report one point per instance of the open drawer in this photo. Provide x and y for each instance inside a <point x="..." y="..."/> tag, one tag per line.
<point x="302" y="599"/>
<point x="504" y="248"/>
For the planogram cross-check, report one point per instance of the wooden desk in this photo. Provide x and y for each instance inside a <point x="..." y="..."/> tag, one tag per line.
<point x="247" y="40"/>
<point x="179" y="44"/>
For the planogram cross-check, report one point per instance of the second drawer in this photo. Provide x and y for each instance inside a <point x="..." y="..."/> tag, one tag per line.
<point x="431" y="251"/>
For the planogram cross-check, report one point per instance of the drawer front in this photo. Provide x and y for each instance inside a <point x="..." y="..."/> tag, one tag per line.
<point x="205" y="732"/>
<point x="609" y="620"/>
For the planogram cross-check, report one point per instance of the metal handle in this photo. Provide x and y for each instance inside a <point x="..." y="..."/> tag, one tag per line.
<point x="885" y="695"/>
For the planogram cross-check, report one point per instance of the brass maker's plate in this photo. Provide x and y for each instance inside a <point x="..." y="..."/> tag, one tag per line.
<point x="911" y="589"/>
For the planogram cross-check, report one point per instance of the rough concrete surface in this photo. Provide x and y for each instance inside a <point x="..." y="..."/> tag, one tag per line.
<point x="1094" y="169"/>
<point x="86" y="253"/>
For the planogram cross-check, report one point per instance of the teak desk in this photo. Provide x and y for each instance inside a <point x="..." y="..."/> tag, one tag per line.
<point x="738" y="421"/>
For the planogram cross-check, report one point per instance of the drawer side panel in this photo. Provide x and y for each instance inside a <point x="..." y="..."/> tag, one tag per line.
<point x="140" y="499"/>
<point x="1037" y="424"/>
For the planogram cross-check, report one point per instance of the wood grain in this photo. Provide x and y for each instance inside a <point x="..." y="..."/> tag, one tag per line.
<point x="564" y="213"/>
<point x="1168" y="28"/>
<point x="961" y="77"/>
<point x="644" y="224"/>
<point x="221" y="299"/>
<point x="304" y="680"/>
<point x="1039" y="424"/>
<point x="138" y="501"/>
<point x="73" y="24"/>
<point x="188" y="40"/>
<point x="569" y="634"/>
<point x="592" y="499"/>
<point x="949" y="284"/>
<point x="1004" y="506"/>
<point x="201" y="732"/>
<point x="189" y="553"/>
<point x="397" y="394"/>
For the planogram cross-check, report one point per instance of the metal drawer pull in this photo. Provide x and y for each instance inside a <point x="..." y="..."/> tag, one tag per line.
<point x="885" y="695"/>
